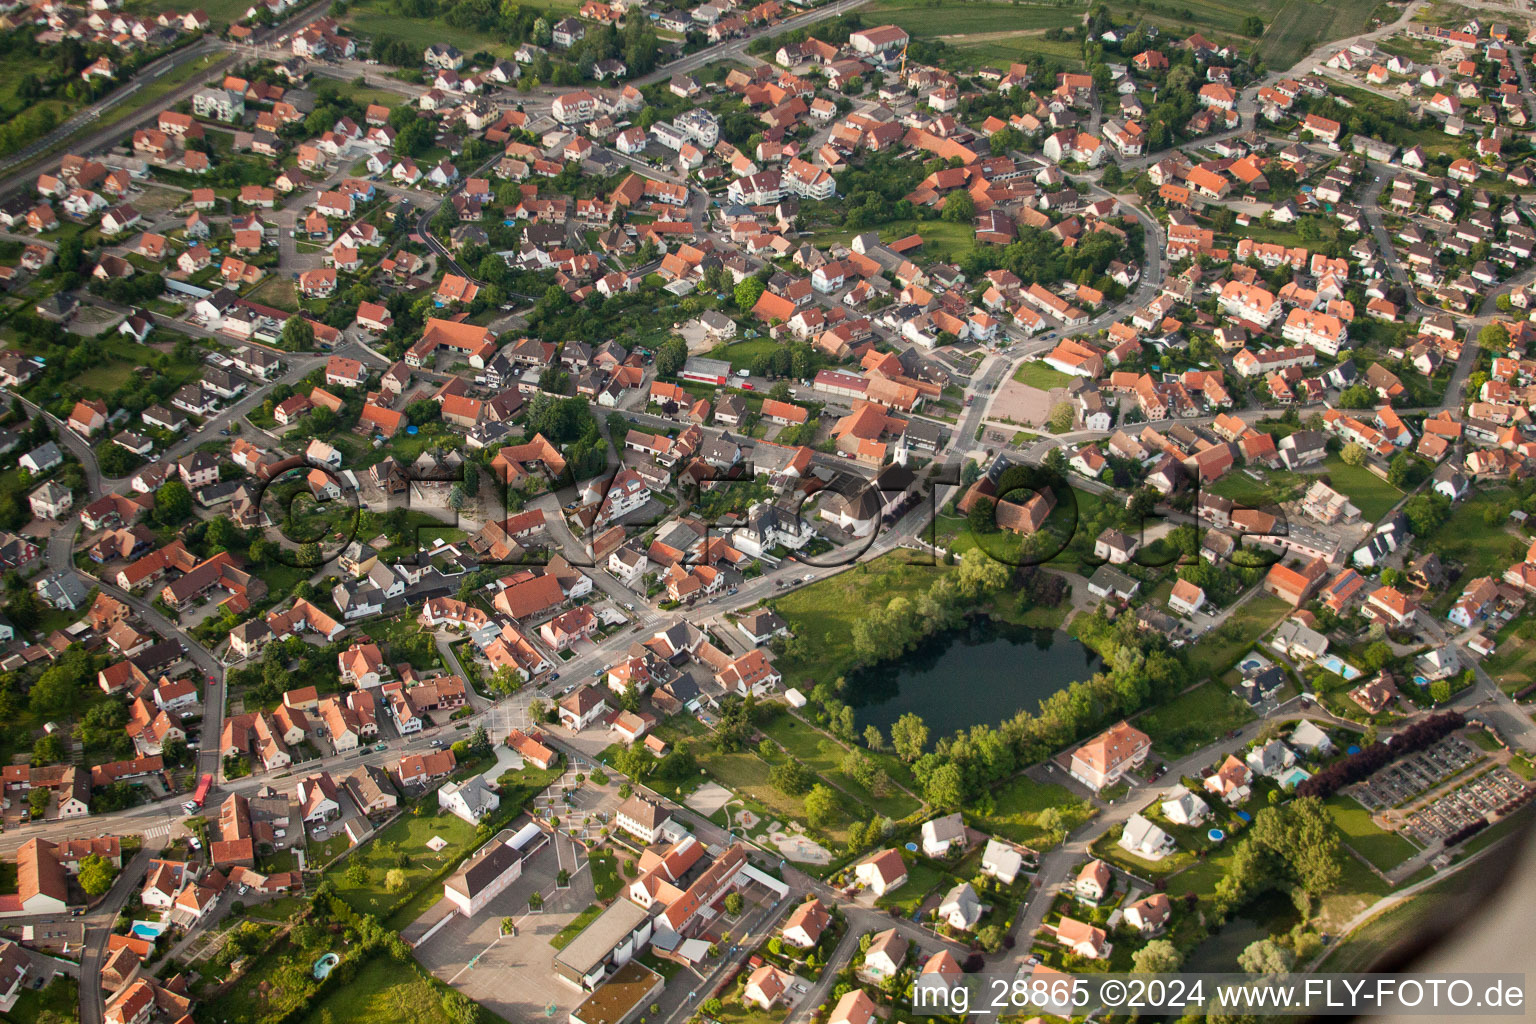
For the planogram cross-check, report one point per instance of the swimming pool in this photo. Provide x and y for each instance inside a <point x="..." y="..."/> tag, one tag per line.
<point x="1421" y="680"/>
<point x="324" y="964"/>
<point x="1339" y="667"/>
<point x="147" y="930"/>
<point x="1294" y="777"/>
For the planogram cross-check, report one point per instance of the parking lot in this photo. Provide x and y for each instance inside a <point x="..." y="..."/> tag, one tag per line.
<point x="1417" y="773"/>
<point x="583" y="808"/>
<point x="512" y="974"/>
<point x="1463" y="805"/>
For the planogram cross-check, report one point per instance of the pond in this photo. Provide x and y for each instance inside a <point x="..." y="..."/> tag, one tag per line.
<point x="1268" y="914"/>
<point x="985" y="671"/>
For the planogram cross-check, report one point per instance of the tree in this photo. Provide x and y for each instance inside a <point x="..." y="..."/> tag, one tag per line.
<point x="959" y="207"/>
<point x="1252" y="26"/>
<point x="1353" y="454"/>
<point x="1440" y="691"/>
<point x="1265" y="956"/>
<point x="298" y="334"/>
<point x="49" y="749"/>
<point x="394" y="880"/>
<point x="1157" y="957"/>
<point x="872" y="738"/>
<point x="982" y="517"/>
<point x="37" y="802"/>
<point x="1062" y="418"/>
<point x="821" y="806"/>
<point x="734" y="904"/>
<point x="670" y="356"/>
<point x="96" y="874"/>
<point x="945" y="787"/>
<point x="535" y="900"/>
<point x="908" y="736"/>
<point x="357" y="874"/>
<point x="791" y="778"/>
<point x="747" y="293"/>
<point x="1427" y="513"/>
<point x="1494" y="337"/>
<point x="173" y="503"/>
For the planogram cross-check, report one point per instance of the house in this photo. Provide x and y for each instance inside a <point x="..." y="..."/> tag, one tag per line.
<point x="582" y="707"/>
<point x="472" y="800"/>
<point x="960" y="908"/>
<point x="882" y="872"/>
<point x="642" y="819"/>
<point x="1184" y="808"/>
<point x="805" y="925"/>
<point x="1083" y="939"/>
<point x="855" y="1007"/>
<point x="1230" y="781"/>
<point x="1144" y="839"/>
<point x="886" y="954"/>
<point x="766" y="986"/>
<point x="1102" y="761"/>
<point x="1001" y="861"/>
<point x="1186" y="598"/>
<point x="1094" y="882"/>
<point x="940" y="834"/>
<point x="1150" y="914"/>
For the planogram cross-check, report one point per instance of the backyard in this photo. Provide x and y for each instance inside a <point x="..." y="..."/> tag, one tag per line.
<point x="1013" y="812"/>
<point x="1385" y="850"/>
<point x="402" y="846"/>
<point x="1219" y="649"/>
<point x="1194" y="718"/>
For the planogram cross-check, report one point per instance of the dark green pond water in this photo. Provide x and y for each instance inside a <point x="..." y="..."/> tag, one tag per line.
<point x="985" y="671"/>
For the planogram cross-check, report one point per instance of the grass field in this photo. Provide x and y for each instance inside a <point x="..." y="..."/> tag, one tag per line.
<point x="922" y="879"/>
<point x="1299" y="25"/>
<point x="1372" y="495"/>
<point x="403" y="845"/>
<point x="1037" y="374"/>
<point x="277" y="291"/>
<point x="1016" y="808"/>
<point x="1467" y="538"/>
<point x="1386" y="850"/>
<point x="942" y="240"/>
<point x="1194" y="718"/>
<point x="605" y="874"/>
<point x="741" y="353"/>
<point x="1218" y="649"/>
<point x="824" y="755"/>
<point x="374" y="18"/>
<point x="826" y="611"/>
<point x="1367" y="945"/>
<point x="384" y="989"/>
<point x="747" y="774"/>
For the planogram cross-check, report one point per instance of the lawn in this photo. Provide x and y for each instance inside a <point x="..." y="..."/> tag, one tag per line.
<point x="1468" y="539"/>
<point x="1219" y="649"/>
<point x="1370" y="943"/>
<point x="377" y="18"/>
<point x="747" y="774"/>
<point x="741" y="353"/>
<point x="1017" y="806"/>
<point x="403" y="845"/>
<point x="1385" y="850"/>
<point x="824" y="755"/>
<point x="1372" y="495"/>
<point x="563" y="937"/>
<point x="1194" y="718"/>
<point x="276" y="291"/>
<point x="1275" y="487"/>
<point x="383" y="989"/>
<point x="61" y="999"/>
<point x="222" y="12"/>
<point x="1038" y="375"/>
<point x="922" y="879"/>
<point x="826" y="610"/>
<point x="605" y="874"/>
<point x="942" y="240"/>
